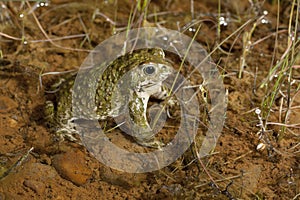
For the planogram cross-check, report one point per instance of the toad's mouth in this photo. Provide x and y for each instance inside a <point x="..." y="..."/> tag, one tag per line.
<point x="149" y="88"/>
<point x="152" y="84"/>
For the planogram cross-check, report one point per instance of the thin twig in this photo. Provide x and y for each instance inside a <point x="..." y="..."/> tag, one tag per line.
<point x="16" y="164"/>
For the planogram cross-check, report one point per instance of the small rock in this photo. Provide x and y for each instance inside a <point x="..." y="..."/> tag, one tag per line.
<point x="12" y="123"/>
<point x="72" y="166"/>
<point x="36" y="186"/>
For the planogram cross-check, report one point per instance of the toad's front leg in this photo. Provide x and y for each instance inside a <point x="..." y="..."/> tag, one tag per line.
<point x="142" y="132"/>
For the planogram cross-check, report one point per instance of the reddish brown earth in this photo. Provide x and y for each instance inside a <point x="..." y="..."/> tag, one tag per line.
<point x="57" y="169"/>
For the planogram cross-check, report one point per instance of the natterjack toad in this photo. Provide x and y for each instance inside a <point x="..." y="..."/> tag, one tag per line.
<point x="145" y="70"/>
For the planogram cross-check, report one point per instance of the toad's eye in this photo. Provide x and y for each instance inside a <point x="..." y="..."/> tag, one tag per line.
<point x="149" y="69"/>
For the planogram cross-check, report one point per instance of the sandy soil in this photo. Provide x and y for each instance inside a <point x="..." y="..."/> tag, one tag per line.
<point x="56" y="169"/>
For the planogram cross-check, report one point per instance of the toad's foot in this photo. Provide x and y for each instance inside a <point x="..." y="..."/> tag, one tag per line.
<point x="152" y="144"/>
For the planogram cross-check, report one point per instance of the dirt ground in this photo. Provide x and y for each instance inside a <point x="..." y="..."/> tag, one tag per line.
<point x="249" y="162"/>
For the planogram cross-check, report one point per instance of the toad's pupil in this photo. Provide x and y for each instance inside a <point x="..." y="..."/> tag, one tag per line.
<point x="149" y="70"/>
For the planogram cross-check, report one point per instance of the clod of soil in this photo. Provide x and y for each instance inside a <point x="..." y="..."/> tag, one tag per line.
<point x="7" y="104"/>
<point x="72" y="166"/>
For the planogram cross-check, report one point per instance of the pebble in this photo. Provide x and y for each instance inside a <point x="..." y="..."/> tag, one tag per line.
<point x="36" y="186"/>
<point x="71" y="166"/>
<point x="12" y="123"/>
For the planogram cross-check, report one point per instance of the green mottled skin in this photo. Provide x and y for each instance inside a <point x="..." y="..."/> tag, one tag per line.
<point x="145" y="71"/>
